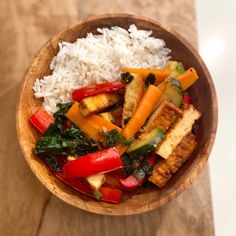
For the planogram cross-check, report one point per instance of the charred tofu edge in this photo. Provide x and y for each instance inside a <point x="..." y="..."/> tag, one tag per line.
<point x="98" y="103"/>
<point x="181" y="128"/>
<point x="164" y="169"/>
<point x="158" y="113"/>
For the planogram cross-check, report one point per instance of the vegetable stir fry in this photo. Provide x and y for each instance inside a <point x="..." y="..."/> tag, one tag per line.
<point x="119" y="136"/>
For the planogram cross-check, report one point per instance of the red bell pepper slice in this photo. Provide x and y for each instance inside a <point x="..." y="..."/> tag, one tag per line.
<point x="187" y="99"/>
<point x="132" y="182"/>
<point x="77" y="184"/>
<point x="108" y="193"/>
<point x="94" y="163"/>
<point x="95" y="89"/>
<point x="41" y="119"/>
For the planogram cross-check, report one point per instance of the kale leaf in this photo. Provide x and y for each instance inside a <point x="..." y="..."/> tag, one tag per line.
<point x="62" y="139"/>
<point x="112" y="137"/>
<point x="69" y="141"/>
<point x="151" y="78"/>
<point x="127" y="77"/>
<point x="52" y="162"/>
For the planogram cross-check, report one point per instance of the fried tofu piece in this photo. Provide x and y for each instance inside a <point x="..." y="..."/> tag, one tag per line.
<point x="96" y="181"/>
<point x="164" y="169"/>
<point x="181" y="128"/>
<point x="98" y="103"/>
<point x="133" y="94"/>
<point x="163" y="117"/>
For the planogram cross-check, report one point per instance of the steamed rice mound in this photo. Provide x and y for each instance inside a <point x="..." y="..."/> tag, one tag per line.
<point x="96" y="59"/>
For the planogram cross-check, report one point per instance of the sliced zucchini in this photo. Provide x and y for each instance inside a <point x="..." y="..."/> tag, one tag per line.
<point x="172" y="92"/>
<point x="133" y="95"/>
<point x="147" y="144"/>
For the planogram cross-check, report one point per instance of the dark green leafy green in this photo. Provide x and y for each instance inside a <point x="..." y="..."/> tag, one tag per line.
<point x="147" y="184"/>
<point x="97" y="195"/>
<point x="136" y="165"/>
<point x="61" y="139"/>
<point x="68" y="141"/>
<point x="60" y="119"/>
<point x="139" y="173"/>
<point x="52" y="162"/>
<point x="151" y="78"/>
<point x="146" y="167"/>
<point x="127" y="77"/>
<point x="112" y="137"/>
<point x="130" y="164"/>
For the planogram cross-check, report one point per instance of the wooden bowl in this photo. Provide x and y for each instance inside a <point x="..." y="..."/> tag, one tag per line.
<point x="204" y="98"/>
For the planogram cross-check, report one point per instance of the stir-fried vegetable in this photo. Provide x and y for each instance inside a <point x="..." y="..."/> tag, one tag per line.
<point x="133" y="94"/>
<point x="188" y="78"/>
<point x="41" y="120"/>
<point x="110" y="140"/>
<point x="175" y="68"/>
<point x="94" y="163"/>
<point x="61" y="139"/>
<point x="91" y="125"/>
<point x="98" y="103"/>
<point x="141" y="114"/>
<point x="95" y="89"/>
<point x="159" y="74"/>
<point x="187" y="98"/>
<point x="106" y="193"/>
<point x="139" y="176"/>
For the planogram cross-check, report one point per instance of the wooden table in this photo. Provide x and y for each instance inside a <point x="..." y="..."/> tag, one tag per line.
<point x="26" y="207"/>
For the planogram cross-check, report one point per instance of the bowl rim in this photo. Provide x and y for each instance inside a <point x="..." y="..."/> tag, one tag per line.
<point x="199" y="166"/>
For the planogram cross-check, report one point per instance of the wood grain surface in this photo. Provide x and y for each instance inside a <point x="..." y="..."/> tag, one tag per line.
<point x="26" y="207"/>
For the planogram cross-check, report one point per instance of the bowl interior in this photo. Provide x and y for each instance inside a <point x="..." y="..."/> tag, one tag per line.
<point x="203" y="98"/>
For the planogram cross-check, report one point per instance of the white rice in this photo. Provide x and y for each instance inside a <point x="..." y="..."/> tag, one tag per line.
<point x="96" y="59"/>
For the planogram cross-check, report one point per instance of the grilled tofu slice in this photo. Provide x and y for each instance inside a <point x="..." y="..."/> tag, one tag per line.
<point x="163" y="117"/>
<point x="96" y="181"/>
<point x="98" y="103"/>
<point x="181" y="128"/>
<point x="133" y="94"/>
<point x="164" y="169"/>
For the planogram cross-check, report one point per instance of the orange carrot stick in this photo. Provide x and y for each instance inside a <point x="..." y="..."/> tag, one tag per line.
<point x="141" y="114"/>
<point x="188" y="78"/>
<point x="91" y="124"/>
<point x="160" y="74"/>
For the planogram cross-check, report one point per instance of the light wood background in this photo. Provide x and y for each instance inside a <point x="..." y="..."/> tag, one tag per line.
<point x="26" y="207"/>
